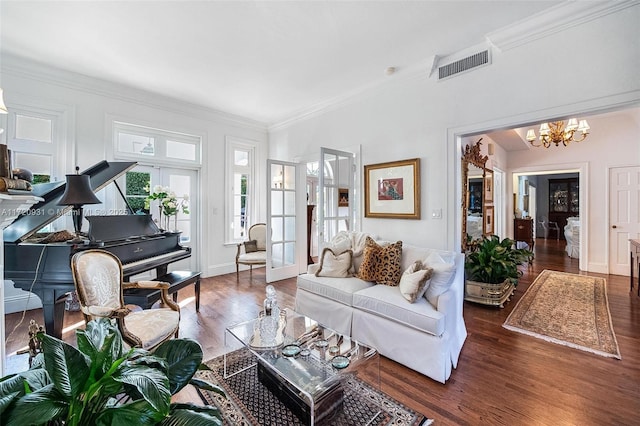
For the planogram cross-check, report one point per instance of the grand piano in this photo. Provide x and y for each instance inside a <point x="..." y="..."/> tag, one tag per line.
<point x="45" y="268"/>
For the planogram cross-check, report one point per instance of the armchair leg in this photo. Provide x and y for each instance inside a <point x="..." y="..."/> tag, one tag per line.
<point x="237" y="272"/>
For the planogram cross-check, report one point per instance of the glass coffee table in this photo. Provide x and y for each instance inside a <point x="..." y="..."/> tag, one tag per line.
<point x="304" y="364"/>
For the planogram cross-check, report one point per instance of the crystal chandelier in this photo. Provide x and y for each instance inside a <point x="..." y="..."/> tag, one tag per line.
<point x="556" y="133"/>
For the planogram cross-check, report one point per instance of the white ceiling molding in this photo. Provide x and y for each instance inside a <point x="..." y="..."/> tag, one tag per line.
<point x="555" y="19"/>
<point x="21" y="67"/>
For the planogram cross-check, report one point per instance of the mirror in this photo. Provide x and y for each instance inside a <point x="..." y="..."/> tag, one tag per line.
<point x="477" y="195"/>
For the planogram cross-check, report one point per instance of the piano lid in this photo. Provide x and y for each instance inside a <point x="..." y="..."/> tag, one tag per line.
<point x="121" y="227"/>
<point x="45" y="212"/>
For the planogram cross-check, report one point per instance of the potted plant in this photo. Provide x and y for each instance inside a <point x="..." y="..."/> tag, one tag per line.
<point x="102" y="383"/>
<point x="492" y="270"/>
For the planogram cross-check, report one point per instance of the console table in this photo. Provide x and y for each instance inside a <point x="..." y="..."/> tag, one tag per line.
<point x="634" y="260"/>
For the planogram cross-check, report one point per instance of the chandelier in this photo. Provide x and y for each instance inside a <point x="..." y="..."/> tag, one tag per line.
<point x="556" y="133"/>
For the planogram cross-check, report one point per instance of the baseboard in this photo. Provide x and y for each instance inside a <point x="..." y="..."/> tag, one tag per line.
<point x="226" y="268"/>
<point x="17" y="300"/>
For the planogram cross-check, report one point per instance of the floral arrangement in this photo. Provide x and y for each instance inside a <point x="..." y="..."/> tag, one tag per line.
<point x="168" y="203"/>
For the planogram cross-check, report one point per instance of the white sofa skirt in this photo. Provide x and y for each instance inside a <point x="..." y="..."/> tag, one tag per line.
<point x="314" y="306"/>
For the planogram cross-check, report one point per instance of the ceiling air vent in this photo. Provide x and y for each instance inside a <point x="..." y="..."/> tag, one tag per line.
<point x="462" y="65"/>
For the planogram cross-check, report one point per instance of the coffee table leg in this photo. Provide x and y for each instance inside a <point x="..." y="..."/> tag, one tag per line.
<point x="228" y="339"/>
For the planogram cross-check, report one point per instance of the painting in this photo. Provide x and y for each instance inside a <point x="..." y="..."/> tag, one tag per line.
<point x="488" y="186"/>
<point x="343" y="197"/>
<point x="392" y="190"/>
<point x="488" y="220"/>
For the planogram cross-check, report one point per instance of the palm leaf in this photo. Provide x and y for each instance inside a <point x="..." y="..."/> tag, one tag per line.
<point x="192" y="415"/>
<point x="138" y="413"/>
<point x="183" y="358"/>
<point x="202" y="384"/>
<point x="42" y="406"/>
<point x="67" y="366"/>
<point x="151" y="383"/>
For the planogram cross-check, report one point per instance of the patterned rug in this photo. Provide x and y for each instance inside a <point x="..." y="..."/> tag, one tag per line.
<point x="567" y="309"/>
<point x="249" y="403"/>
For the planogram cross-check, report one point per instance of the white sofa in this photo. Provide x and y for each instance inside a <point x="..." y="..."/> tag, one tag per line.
<point x="572" y="235"/>
<point x="423" y="336"/>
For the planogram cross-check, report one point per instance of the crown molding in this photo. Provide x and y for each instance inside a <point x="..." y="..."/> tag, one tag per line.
<point x="553" y="20"/>
<point x="23" y="67"/>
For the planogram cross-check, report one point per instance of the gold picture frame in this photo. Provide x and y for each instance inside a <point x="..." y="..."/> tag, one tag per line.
<point x="488" y="186"/>
<point x="392" y="190"/>
<point x="488" y="220"/>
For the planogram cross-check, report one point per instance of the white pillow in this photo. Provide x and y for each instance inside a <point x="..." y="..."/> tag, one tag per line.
<point x="442" y="277"/>
<point x="414" y="281"/>
<point x="335" y="266"/>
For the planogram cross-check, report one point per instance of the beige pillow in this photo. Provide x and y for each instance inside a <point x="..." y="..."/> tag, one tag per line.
<point x="335" y="266"/>
<point x="414" y="281"/>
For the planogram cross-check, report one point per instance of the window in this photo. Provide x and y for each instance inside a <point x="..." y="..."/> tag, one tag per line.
<point x="148" y="144"/>
<point x="240" y="183"/>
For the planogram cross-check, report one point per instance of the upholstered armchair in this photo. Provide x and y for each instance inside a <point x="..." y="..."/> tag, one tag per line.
<point x="254" y="250"/>
<point x="549" y="226"/>
<point x="99" y="283"/>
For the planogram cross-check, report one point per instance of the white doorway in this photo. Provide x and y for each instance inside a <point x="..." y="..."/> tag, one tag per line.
<point x="624" y="216"/>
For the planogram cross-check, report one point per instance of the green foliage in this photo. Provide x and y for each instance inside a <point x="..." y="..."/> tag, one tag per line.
<point x="138" y="183"/>
<point x="41" y="179"/>
<point x="101" y="383"/>
<point x="494" y="261"/>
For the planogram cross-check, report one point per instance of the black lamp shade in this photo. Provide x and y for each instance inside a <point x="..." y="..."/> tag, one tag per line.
<point x="78" y="192"/>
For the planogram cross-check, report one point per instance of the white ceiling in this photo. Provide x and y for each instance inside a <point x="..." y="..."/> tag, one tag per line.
<point x="263" y="60"/>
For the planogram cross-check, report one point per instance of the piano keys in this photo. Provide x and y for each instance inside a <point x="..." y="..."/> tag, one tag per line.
<point x="44" y="268"/>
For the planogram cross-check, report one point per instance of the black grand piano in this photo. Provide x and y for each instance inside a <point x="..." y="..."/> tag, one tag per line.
<point x="45" y="268"/>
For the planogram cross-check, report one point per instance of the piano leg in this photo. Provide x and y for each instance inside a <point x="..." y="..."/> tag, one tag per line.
<point x="53" y="310"/>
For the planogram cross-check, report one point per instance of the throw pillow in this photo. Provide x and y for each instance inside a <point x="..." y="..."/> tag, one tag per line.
<point x="381" y="264"/>
<point x="442" y="277"/>
<point x="250" y="246"/>
<point x="414" y="281"/>
<point x="335" y="266"/>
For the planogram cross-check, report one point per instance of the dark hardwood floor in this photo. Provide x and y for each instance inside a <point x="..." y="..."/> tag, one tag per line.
<point x="503" y="377"/>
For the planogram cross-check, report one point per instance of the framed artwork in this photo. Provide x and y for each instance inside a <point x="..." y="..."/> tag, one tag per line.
<point x="488" y="220"/>
<point x="392" y="190"/>
<point x="343" y="197"/>
<point x="488" y="186"/>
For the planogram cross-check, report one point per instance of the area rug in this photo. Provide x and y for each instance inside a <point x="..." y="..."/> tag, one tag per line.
<point x="567" y="309"/>
<point x="249" y="403"/>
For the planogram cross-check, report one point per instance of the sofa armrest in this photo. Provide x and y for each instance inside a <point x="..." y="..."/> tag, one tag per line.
<point x="313" y="268"/>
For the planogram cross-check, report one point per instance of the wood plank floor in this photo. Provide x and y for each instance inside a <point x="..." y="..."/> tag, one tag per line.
<point x="503" y="377"/>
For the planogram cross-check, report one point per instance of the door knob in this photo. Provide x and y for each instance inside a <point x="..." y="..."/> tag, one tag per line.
<point x="614" y="226"/>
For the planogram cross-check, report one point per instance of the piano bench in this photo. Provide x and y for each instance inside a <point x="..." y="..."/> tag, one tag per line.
<point x="177" y="280"/>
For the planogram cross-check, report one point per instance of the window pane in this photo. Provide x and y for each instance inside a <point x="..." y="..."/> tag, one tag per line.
<point x="289" y="253"/>
<point x="136" y="182"/>
<point x="136" y="144"/>
<point x="290" y="203"/>
<point x="181" y="150"/>
<point x="289" y="177"/>
<point x="241" y="158"/>
<point x="33" y="129"/>
<point x="276" y="203"/>
<point x="36" y="163"/>
<point x="290" y="228"/>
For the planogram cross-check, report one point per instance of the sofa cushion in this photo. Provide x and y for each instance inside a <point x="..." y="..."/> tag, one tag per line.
<point x="336" y="266"/>
<point x="414" y="281"/>
<point x="444" y="268"/>
<point x="388" y="302"/>
<point x="381" y="264"/>
<point x="338" y="289"/>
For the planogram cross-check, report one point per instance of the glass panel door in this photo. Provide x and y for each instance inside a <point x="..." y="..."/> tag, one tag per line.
<point x="286" y="223"/>
<point x="335" y="211"/>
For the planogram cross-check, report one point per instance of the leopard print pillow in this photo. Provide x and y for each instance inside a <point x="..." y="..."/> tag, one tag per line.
<point x="381" y="264"/>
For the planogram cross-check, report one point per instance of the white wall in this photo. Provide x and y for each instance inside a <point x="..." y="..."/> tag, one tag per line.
<point x="92" y="103"/>
<point x="586" y="68"/>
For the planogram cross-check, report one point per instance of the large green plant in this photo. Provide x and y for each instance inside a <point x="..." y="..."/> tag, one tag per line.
<point x="102" y="383"/>
<point x="493" y="261"/>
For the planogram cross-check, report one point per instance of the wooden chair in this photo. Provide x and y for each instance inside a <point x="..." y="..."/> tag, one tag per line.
<point x="99" y="283"/>
<point x="255" y="248"/>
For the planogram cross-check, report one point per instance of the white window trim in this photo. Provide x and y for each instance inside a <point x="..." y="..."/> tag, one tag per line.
<point x="160" y="137"/>
<point x="232" y="144"/>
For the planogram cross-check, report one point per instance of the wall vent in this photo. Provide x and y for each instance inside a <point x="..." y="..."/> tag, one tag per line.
<point x="464" y="64"/>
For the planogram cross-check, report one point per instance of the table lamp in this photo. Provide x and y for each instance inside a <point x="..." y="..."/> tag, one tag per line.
<point x="77" y="193"/>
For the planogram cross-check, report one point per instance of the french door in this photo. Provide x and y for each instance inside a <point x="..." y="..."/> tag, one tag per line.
<point x="336" y="198"/>
<point x="286" y="220"/>
<point x="624" y="216"/>
<point x="184" y="182"/>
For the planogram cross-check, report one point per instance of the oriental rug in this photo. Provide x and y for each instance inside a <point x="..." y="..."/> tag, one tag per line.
<point x="567" y="309"/>
<point x="249" y="403"/>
